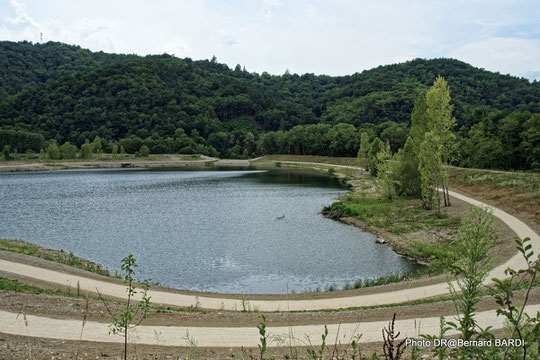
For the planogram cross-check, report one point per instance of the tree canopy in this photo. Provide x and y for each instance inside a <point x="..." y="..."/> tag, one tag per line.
<point x="63" y="93"/>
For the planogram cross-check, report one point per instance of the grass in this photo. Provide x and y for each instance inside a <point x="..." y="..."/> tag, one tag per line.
<point x="398" y="217"/>
<point x="16" y="286"/>
<point x="349" y="161"/>
<point x="58" y="256"/>
<point x="519" y="191"/>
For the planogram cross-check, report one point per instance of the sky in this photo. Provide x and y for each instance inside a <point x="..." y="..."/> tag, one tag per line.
<point x="336" y="37"/>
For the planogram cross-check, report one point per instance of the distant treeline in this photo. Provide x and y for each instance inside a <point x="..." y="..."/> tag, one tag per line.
<point x="59" y="93"/>
<point x="500" y="141"/>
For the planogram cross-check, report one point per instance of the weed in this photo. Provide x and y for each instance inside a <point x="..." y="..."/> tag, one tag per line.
<point x="392" y="351"/>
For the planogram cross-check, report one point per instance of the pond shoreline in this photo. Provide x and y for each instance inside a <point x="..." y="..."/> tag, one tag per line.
<point x="170" y="194"/>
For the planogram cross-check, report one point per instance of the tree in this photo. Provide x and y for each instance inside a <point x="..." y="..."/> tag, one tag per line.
<point x="373" y="151"/>
<point x="477" y="236"/>
<point x="133" y="313"/>
<point x="441" y="121"/>
<point x="405" y="170"/>
<point x="144" y="151"/>
<point x="531" y="142"/>
<point x="385" y="179"/>
<point x="97" y="145"/>
<point x="431" y="169"/>
<point x="364" y="150"/>
<point x="68" y="151"/>
<point x="86" y="150"/>
<point x="53" y="151"/>
<point x="6" y="152"/>
<point x="419" y="122"/>
<point x="114" y="152"/>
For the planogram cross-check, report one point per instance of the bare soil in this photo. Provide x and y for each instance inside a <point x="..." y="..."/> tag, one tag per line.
<point x="167" y="161"/>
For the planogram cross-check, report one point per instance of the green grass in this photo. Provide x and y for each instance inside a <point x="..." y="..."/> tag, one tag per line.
<point x="14" y="285"/>
<point x="520" y="182"/>
<point x="350" y="161"/>
<point x="399" y="216"/>
<point x="52" y="255"/>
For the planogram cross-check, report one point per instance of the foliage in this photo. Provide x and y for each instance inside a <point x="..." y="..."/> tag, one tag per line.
<point x="144" y="151"/>
<point x="68" y="151"/>
<point x="53" y="151"/>
<point x="375" y="148"/>
<point x="477" y="237"/>
<point x="386" y="181"/>
<point x="21" y="140"/>
<point x="133" y="313"/>
<point x="363" y="150"/>
<point x="59" y="92"/>
<point x="502" y="141"/>
<point x="476" y="240"/>
<point x="6" y="151"/>
<point x="58" y="256"/>
<point x="522" y="326"/>
<point x="405" y="170"/>
<point x="86" y="150"/>
<point x="431" y="168"/>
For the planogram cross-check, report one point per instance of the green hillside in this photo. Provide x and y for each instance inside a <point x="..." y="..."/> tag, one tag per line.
<point x="71" y="94"/>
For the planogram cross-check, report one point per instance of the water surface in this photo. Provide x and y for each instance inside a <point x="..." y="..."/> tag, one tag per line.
<point x="197" y="230"/>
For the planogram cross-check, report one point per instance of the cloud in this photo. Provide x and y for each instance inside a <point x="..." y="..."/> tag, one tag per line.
<point x="325" y="37"/>
<point x="177" y="47"/>
<point x="310" y="11"/>
<point x="514" y="56"/>
<point x="94" y="34"/>
<point x="268" y="7"/>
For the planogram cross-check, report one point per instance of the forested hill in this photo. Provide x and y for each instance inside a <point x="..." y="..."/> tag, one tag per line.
<point x="71" y="94"/>
<point x="25" y="65"/>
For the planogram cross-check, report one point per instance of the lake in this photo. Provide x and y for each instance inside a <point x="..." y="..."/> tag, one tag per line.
<point x="230" y="231"/>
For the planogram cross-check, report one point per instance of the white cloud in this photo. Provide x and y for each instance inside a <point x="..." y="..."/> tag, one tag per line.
<point x="310" y="11"/>
<point x="332" y="37"/>
<point x="520" y="57"/>
<point x="94" y="34"/>
<point x="177" y="47"/>
<point x="268" y="7"/>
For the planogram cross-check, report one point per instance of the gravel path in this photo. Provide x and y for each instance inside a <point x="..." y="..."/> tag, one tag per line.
<point x="50" y="328"/>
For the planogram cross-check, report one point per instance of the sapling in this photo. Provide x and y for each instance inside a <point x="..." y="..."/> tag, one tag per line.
<point x="133" y="313"/>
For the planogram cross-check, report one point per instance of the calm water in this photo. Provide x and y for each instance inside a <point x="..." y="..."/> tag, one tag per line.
<point x="197" y="230"/>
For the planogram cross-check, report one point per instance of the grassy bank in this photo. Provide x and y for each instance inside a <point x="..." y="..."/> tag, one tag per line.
<point x="519" y="191"/>
<point x="402" y="223"/>
<point x="348" y="161"/>
<point x="58" y="256"/>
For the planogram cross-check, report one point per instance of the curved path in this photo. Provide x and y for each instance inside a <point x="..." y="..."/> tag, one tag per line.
<point x="232" y="336"/>
<point x="206" y="301"/>
<point x="39" y="326"/>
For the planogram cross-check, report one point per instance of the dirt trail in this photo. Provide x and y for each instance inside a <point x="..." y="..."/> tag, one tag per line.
<point x="43" y="327"/>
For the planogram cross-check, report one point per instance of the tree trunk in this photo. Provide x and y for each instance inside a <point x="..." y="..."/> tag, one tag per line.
<point x="125" y="342"/>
